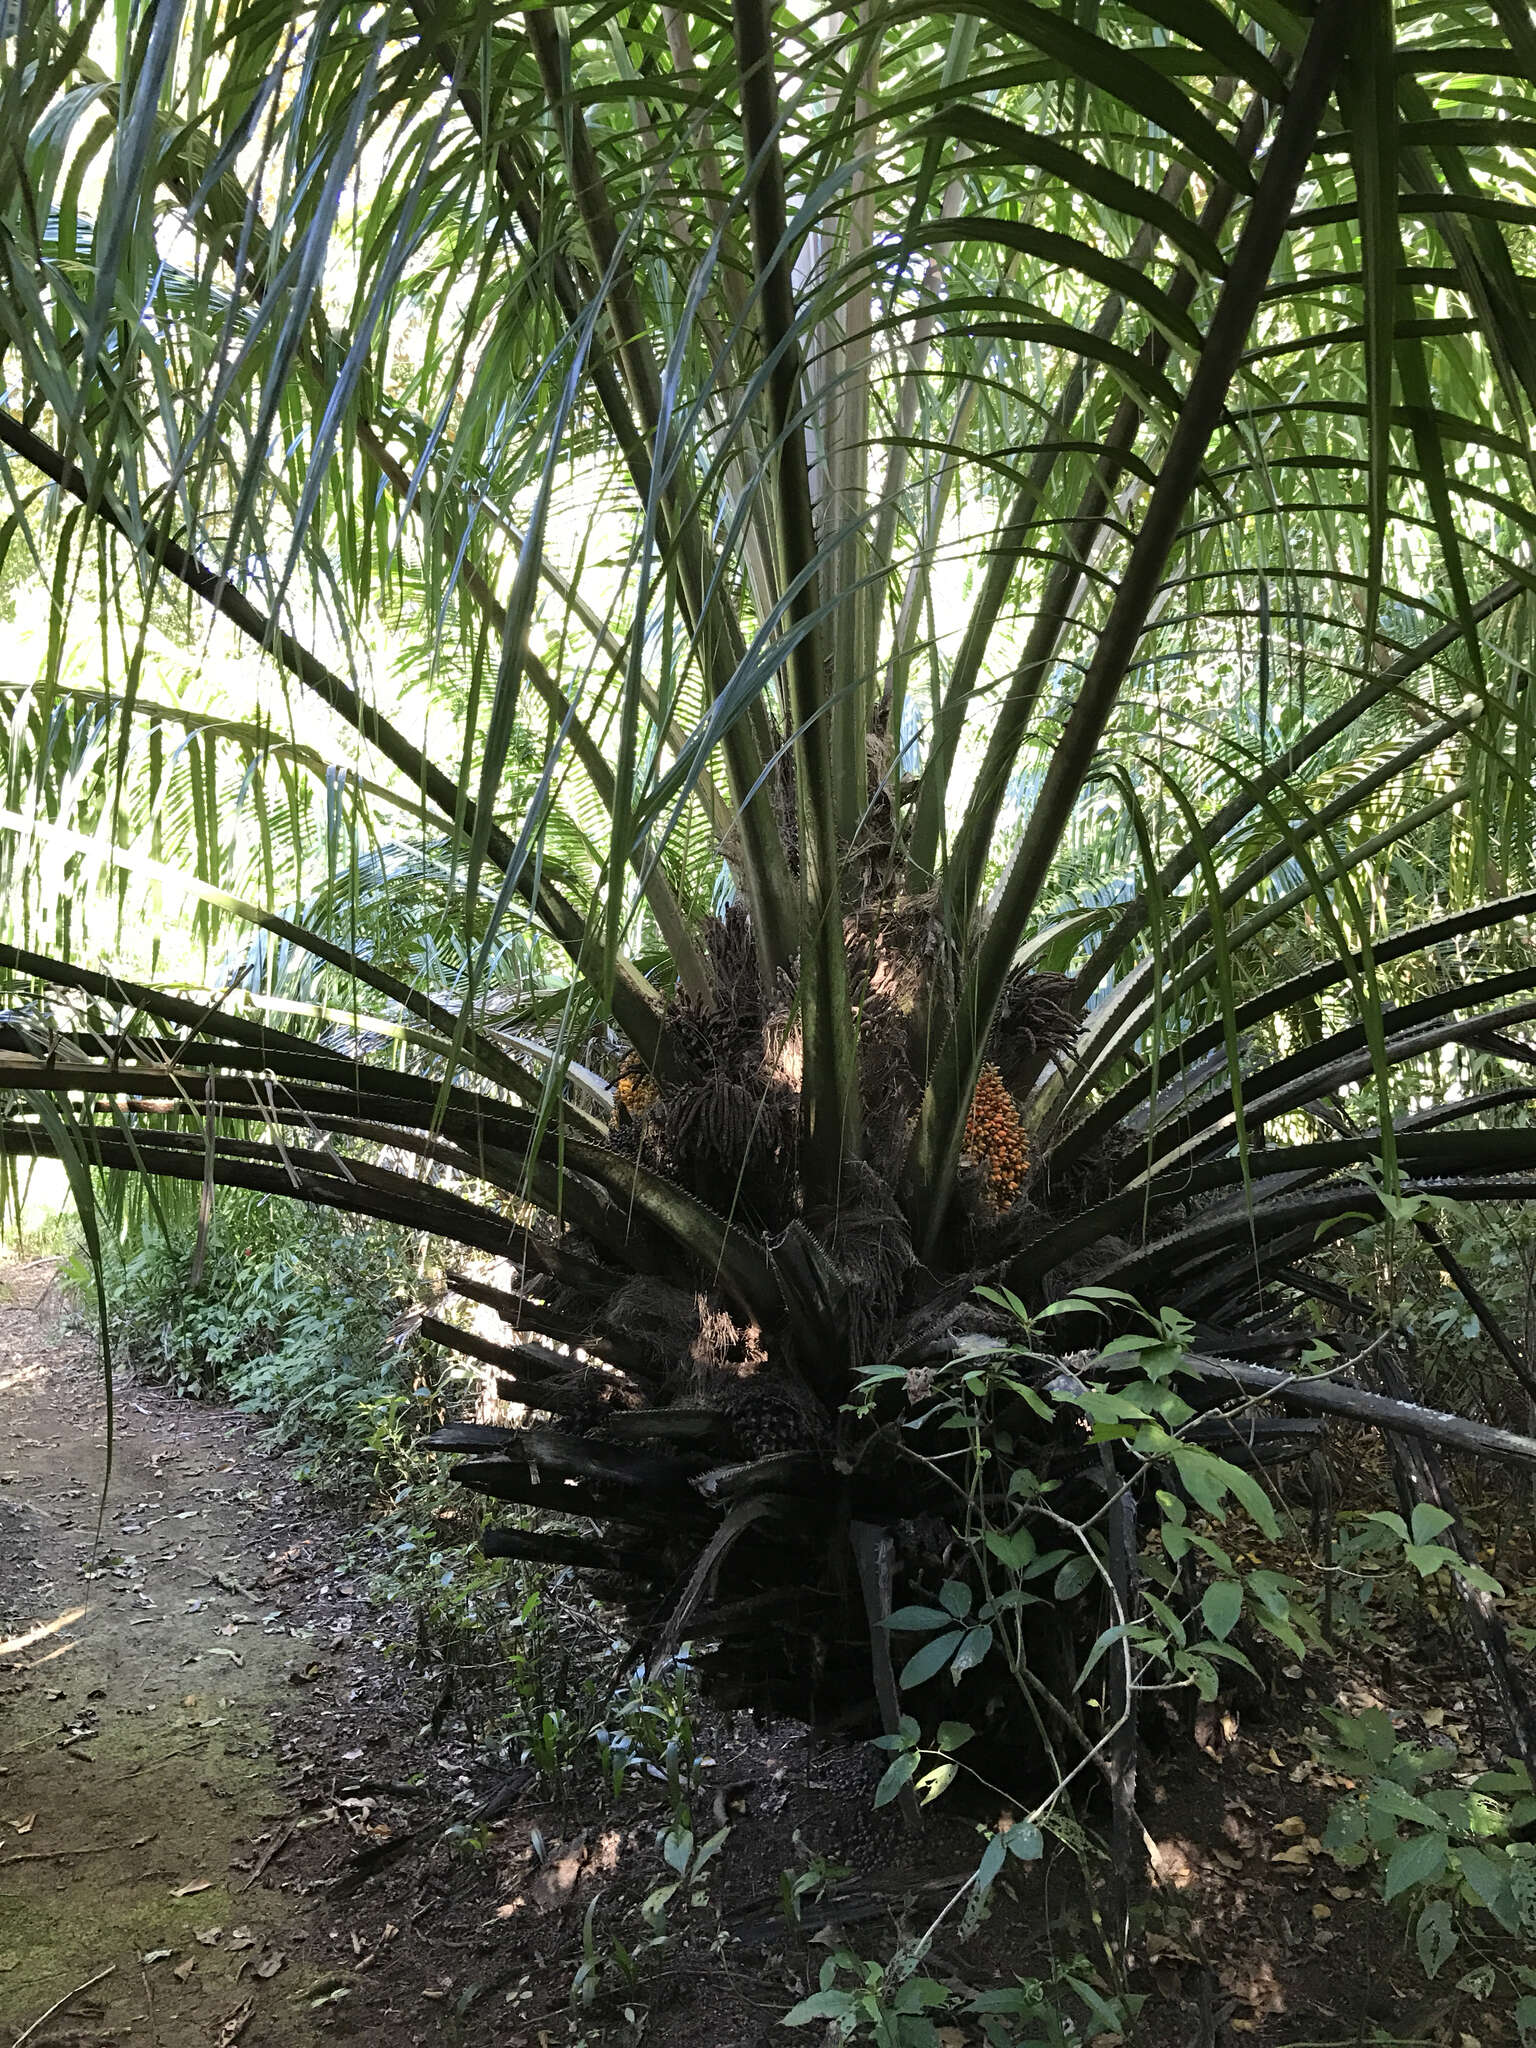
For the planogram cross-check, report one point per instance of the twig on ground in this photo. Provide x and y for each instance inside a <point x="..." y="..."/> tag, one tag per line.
<point x="396" y="1788"/>
<point x="58" y="1855"/>
<point x="273" y="1850"/>
<point x="370" y="1856"/>
<point x="149" y="2001"/>
<point x="68" y="1999"/>
<point x="153" y="1763"/>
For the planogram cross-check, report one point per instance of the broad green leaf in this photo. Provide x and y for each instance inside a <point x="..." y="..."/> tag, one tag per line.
<point x="1387" y="1796"/>
<point x="936" y="1781"/>
<point x="978" y="1641"/>
<point x="1435" y="1936"/>
<point x="1014" y="1551"/>
<point x="821" y="2005"/>
<point x="915" y="1620"/>
<point x="1418" y="1861"/>
<point x="1074" y="1575"/>
<point x="896" y="1774"/>
<point x="993" y="1857"/>
<point x="1220" y="1605"/>
<point x="931" y="1658"/>
<point x="1487" y="1878"/>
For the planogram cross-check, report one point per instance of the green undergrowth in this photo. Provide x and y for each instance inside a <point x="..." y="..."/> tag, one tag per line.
<point x="290" y="1316"/>
<point x="303" y="1318"/>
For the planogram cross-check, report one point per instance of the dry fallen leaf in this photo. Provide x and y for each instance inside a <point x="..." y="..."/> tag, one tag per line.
<point x="1161" y="1945"/>
<point x="154" y="1955"/>
<point x="24" y="1825"/>
<point x="1294" y="1827"/>
<point x="207" y="1936"/>
<point x="236" y="2024"/>
<point x="271" y="1964"/>
<point x="184" y="1970"/>
<point x="1298" y="1853"/>
<point x="557" y="1876"/>
<point x="1252" y="1982"/>
<point x="198" y="1884"/>
<point x="241" y="1937"/>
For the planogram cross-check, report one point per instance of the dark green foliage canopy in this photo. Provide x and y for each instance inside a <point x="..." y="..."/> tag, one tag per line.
<point x="1038" y="491"/>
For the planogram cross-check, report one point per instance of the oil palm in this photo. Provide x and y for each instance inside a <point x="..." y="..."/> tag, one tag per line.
<point x="936" y="603"/>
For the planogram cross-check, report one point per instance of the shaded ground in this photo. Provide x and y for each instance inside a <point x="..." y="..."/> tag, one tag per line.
<point x="226" y="1811"/>
<point x="153" y="1683"/>
<point x="227" y="1797"/>
<point x="220" y="1788"/>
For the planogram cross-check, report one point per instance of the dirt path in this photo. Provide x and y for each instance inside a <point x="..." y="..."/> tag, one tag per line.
<point x="229" y="1814"/>
<point x="182" y="1702"/>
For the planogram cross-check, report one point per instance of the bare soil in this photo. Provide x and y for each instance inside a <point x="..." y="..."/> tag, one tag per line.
<point x="179" y="1664"/>
<point x="233" y="1809"/>
<point x="228" y="1810"/>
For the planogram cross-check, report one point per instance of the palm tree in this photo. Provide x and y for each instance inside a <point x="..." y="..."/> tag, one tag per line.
<point x="880" y="650"/>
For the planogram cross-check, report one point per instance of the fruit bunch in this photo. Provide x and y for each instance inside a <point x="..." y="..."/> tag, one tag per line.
<point x="994" y="1138"/>
<point x="634" y="1093"/>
